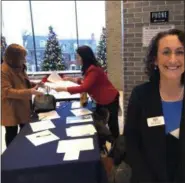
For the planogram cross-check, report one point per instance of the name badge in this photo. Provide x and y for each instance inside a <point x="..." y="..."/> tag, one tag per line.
<point x="155" y="121"/>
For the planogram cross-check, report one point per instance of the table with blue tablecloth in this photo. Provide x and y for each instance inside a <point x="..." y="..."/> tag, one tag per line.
<point x="23" y="162"/>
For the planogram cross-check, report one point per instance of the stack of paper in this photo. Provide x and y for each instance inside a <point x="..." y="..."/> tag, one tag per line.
<point x="75" y="145"/>
<point x="81" y="112"/>
<point x="42" y="137"/>
<point x="81" y="130"/>
<point x="42" y="125"/>
<point x="48" y="115"/>
<point x="79" y="119"/>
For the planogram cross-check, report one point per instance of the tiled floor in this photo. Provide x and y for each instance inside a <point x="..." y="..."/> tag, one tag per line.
<point x="3" y="147"/>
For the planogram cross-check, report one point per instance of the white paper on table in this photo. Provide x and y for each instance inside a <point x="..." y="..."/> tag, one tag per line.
<point x="61" y="83"/>
<point x="80" y="130"/>
<point x="65" y="95"/>
<point x="54" y="77"/>
<point x="43" y="137"/>
<point x="71" y="155"/>
<point x="75" y="105"/>
<point x="41" y="125"/>
<point x="79" y="119"/>
<point x="51" y="85"/>
<point x="81" y="112"/>
<point x="67" y="83"/>
<point x="48" y="115"/>
<point x="75" y="145"/>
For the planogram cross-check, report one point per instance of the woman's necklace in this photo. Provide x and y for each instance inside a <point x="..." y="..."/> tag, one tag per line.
<point x="178" y="99"/>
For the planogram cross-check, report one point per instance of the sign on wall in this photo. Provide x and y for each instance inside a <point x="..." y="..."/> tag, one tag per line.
<point x="159" y="16"/>
<point x="150" y="31"/>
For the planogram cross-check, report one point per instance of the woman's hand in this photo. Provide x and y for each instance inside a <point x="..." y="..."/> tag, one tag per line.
<point x="37" y="84"/>
<point x="34" y="91"/>
<point x="40" y="84"/>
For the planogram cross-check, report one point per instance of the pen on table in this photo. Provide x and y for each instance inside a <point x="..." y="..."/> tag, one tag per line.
<point x="43" y="135"/>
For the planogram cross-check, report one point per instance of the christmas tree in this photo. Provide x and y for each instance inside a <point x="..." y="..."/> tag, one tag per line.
<point x="3" y="47"/>
<point x="53" y="59"/>
<point x="101" y="50"/>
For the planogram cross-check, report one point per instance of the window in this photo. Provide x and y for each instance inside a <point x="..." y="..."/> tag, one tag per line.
<point x="63" y="47"/>
<point x="72" y="67"/>
<point x="42" y="43"/>
<point x="90" y="27"/>
<point x="17" y="27"/>
<point x="62" y="18"/>
<point x="75" y="46"/>
<point x="38" y="53"/>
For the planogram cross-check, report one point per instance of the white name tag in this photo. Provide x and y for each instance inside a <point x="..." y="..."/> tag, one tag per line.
<point x="155" y="121"/>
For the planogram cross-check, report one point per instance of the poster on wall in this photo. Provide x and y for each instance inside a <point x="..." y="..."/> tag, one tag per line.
<point x="150" y="31"/>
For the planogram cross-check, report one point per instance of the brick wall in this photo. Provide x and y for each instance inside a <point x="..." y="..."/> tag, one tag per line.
<point x="137" y="14"/>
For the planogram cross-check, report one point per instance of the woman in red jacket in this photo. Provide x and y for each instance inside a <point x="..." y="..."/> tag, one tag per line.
<point x="97" y="85"/>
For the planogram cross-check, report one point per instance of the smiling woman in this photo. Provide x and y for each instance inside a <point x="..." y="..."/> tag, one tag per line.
<point x="154" y="128"/>
<point x="165" y="62"/>
<point x="170" y="57"/>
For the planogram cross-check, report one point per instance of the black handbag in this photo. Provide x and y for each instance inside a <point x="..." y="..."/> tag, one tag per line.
<point x="44" y="103"/>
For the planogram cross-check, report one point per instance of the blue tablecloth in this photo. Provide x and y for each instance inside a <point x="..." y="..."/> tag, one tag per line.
<point x="23" y="162"/>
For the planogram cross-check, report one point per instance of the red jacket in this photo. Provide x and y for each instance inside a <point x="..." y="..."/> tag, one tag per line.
<point x="97" y="85"/>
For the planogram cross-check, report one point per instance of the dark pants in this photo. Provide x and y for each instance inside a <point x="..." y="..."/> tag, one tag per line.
<point x="11" y="132"/>
<point x="113" y="119"/>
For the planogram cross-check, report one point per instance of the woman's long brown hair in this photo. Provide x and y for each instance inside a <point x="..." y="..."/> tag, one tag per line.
<point x="14" y="54"/>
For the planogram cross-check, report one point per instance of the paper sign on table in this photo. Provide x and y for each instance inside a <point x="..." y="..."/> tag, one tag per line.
<point x="75" y="105"/>
<point x="48" y="115"/>
<point x="54" y="77"/>
<point x="81" y="112"/>
<point x="71" y="155"/>
<point x="75" y="145"/>
<point x="42" y="125"/>
<point x="80" y="130"/>
<point x="43" y="137"/>
<point x="79" y="119"/>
